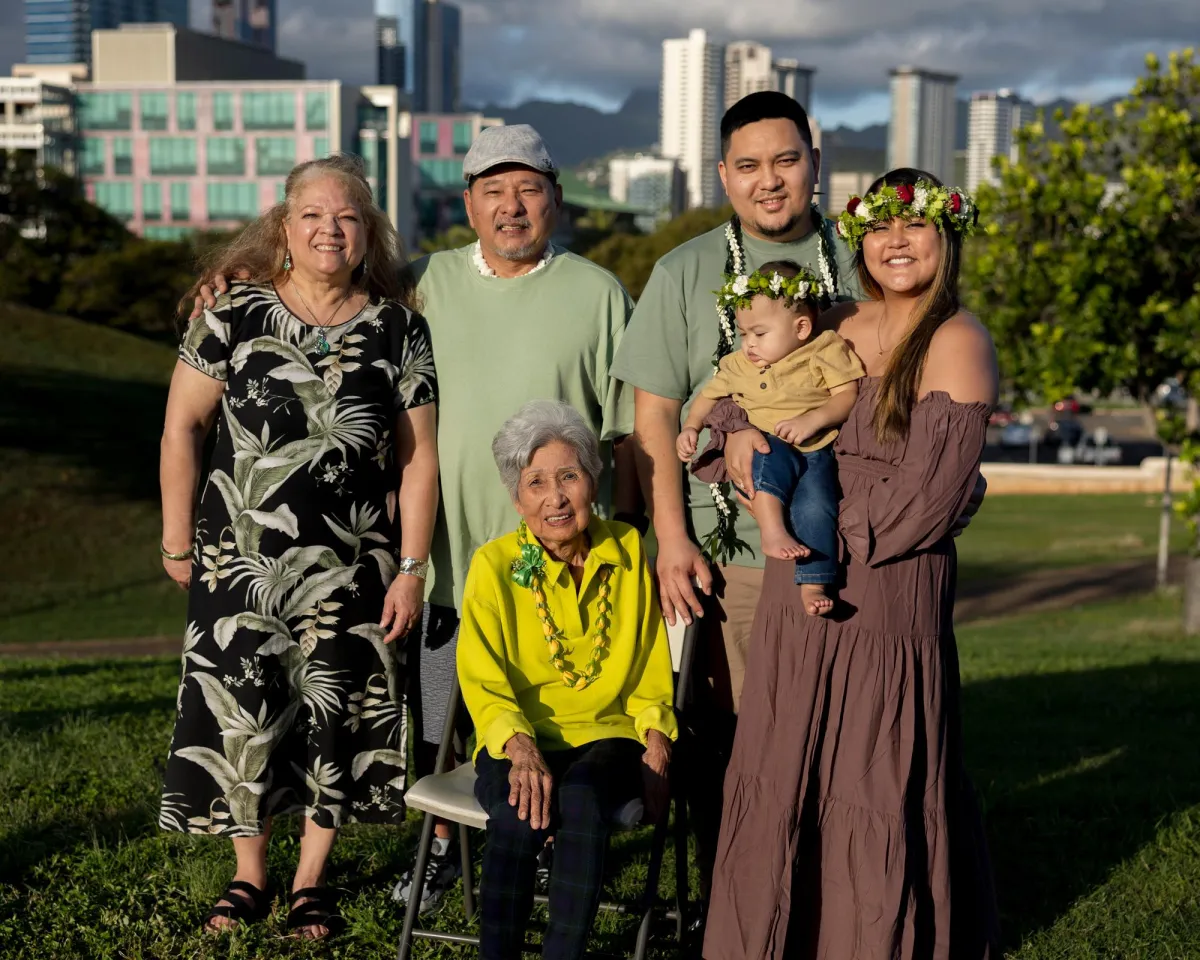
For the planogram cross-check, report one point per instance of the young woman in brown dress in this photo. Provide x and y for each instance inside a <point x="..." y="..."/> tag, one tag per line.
<point x="850" y="829"/>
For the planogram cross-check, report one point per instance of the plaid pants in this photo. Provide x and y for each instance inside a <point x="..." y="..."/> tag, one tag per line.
<point x="591" y="783"/>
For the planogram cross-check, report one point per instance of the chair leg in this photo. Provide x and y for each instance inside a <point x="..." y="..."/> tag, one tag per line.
<point x="681" y="864"/>
<point x="468" y="871"/>
<point x="417" y="890"/>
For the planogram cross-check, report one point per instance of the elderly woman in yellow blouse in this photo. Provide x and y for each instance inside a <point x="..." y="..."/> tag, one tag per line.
<point x="565" y="668"/>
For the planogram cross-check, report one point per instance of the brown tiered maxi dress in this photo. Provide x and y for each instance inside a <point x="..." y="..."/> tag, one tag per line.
<point x="850" y="830"/>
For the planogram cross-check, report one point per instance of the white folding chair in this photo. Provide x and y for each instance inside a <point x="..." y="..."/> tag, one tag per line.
<point x="450" y="796"/>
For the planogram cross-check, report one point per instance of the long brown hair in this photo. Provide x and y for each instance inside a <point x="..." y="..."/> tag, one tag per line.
<point x="900" y="381"/>
<point x="257" y="253"/>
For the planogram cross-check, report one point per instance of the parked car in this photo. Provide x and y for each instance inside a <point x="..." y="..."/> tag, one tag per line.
<point x="1018" y="435"/>
<point x="1064" y="431"/>
<point x="1095" y="448"/>
<point x="1001" y="417"/>
<point x="1072" y="405"/>
<point x="1170" y="393"/>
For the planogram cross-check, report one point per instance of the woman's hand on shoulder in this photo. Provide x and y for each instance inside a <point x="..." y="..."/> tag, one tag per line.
<point x="962" y="362"/>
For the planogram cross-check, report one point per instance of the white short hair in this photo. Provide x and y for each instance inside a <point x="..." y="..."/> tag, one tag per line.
<point x="536" y="424"/>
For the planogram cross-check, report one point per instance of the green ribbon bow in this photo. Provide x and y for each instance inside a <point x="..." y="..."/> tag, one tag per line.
<point x="529" y="566"/>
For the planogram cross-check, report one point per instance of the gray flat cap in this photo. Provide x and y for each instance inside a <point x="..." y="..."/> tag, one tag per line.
<point x="518" y="143"/>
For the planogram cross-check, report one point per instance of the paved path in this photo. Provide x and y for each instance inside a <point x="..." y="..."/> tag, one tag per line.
<point x="977" y="600"/>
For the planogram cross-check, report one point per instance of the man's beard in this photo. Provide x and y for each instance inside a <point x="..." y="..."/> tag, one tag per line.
<point x="771" y="233"/>
<point x="525" y="252"/>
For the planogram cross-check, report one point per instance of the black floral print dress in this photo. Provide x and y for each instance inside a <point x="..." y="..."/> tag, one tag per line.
<point x="290" y="702"/>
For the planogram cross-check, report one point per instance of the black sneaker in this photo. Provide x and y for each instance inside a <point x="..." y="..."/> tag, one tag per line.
<point x="441" y="873"/>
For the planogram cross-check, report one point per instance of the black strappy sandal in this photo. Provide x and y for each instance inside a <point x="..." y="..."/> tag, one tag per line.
<point x="318" y="910"/>
<point x="246" y="904"/>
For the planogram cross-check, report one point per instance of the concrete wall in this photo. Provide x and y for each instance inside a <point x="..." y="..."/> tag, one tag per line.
<point x="1005" y="478"/>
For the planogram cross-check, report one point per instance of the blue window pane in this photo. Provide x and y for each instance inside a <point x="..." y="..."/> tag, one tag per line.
<point x="122" y="148"/>
<point x="226" y="156"/>
<point x="116" y="197"/>
<point x="172" y="156"/>
<point x="232" y="201"/>
<point x="106" y="111"/>
<point x="185" y="111"/>
<point x="269" y="111"/>
<point x="152" y="200"/>
<point x="181" y="201"/>
<point x="316" y="110"/>
<point x="91" y="157"/>
<point x="274" y="156"/>
<point x="154" y="111"/>
<point x="222" y="111"/>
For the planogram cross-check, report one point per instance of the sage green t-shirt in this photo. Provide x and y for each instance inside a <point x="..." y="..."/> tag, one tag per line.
<point x="668" y="348"/>
<point x="497" y="344"/>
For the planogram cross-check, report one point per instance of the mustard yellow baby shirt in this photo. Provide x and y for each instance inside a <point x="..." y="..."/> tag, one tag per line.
<point x="798" y="383"/>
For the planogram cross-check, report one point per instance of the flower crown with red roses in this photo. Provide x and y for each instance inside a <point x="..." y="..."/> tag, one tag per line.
<point x="945" y="206"/>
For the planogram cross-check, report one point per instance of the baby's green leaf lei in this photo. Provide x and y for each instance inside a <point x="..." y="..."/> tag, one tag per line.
<point x="740" y="290"/>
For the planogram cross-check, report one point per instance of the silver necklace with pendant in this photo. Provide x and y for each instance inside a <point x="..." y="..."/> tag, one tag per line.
<point x="322" y="343"/>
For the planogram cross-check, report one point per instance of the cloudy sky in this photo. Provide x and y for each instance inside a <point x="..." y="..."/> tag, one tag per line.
<point x="597" y="51"/>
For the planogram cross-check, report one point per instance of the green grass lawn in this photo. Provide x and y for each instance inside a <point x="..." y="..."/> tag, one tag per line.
<point x="1080" y="727"/>
<point x="81" y="411"/>
<point x="1015" y="534"/>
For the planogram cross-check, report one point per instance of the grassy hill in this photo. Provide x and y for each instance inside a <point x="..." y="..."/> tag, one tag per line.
<point x="81" y="410"/>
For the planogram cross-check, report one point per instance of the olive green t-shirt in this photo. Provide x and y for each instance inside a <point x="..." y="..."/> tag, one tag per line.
<point x="497" y="344"/>
<point x="668" y="348"/>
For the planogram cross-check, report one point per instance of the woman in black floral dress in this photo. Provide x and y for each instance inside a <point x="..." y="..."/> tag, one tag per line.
<point x="306" y="557"/>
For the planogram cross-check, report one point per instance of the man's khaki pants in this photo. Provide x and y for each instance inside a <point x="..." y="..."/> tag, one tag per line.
<point x="720" y="667"/>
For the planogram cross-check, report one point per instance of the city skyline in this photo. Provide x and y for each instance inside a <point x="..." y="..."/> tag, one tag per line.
<point x="597" y="53"/>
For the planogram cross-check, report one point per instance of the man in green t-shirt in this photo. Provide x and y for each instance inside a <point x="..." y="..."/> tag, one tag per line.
<point x="769" y="169"/>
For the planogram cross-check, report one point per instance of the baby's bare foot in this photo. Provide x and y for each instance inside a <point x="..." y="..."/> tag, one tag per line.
<point x="817" y="602"/>
<point x="777" y="544"/>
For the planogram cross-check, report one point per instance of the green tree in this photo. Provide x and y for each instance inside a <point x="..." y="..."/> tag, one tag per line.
<point x="1087" y="272"/>
<point x="457" y="236"/>
<point x="632" y="256"/>
<point x="46" y="224"/>
<point x="136" y="287"/>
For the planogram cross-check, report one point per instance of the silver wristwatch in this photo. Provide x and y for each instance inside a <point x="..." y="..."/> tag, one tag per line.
<point x="413" y="567"/>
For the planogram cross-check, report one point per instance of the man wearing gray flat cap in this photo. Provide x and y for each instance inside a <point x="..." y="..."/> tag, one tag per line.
<point x="512" y="318"/>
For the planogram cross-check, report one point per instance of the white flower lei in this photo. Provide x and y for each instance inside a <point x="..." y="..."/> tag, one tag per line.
<point x="722" y="543"/>
<point x="485" y="270"/>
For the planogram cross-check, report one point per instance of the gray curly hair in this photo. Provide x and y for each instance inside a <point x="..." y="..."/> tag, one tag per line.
<point x="536" y="424"/>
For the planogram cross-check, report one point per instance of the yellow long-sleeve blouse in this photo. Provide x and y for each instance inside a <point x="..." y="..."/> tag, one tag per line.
<point x="504" y="668"/>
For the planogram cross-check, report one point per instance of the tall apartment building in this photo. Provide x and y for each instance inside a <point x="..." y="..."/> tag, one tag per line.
<point x="38" y="117"/>
<point x="794" y="80"/>
<point x="391" y="65"/>
<point x="250" y="21"/>
<point x="994" y="120"/>
<point x="922" y="129"/>
<point x="182" y="131"/>
<point x="60" y="31"/>
<point x="437" y="67"/>
<point x="648" y="183"/>
<point x="693" y="80"/>
<point x="750" y="68"/>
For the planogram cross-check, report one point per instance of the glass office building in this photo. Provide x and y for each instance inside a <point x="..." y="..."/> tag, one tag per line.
<point x="60" y="31"/>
